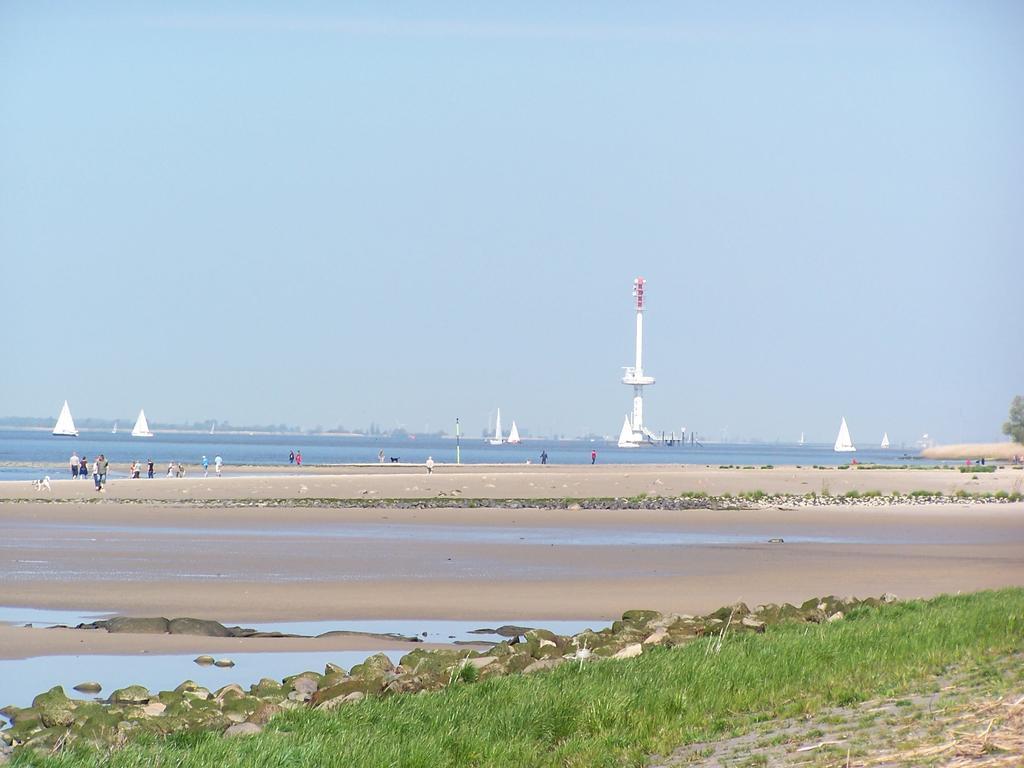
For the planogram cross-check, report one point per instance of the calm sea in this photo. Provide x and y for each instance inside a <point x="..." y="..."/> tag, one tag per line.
<point x="25" y="455"/>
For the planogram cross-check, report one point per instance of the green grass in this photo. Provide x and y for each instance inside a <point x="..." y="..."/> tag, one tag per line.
<point x="617" y="713"/>
<point x="975" y="469"/>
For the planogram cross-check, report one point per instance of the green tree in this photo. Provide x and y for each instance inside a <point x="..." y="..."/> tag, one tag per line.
<point x="1015" y="426"/>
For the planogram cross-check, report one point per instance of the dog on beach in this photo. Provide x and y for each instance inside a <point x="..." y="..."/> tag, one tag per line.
<point x="40" y="485"/>
<point x="394" y="459"/>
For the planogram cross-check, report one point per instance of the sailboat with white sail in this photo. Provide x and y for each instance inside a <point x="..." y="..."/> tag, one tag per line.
<point x="885" y="440"/>
<point x="65" y="426"/>
<point x="114" y="430"/>
<point x="141" y="428"/>
<point x="497" y="439"/>
<point x="801" y="440"/>
<point x="626" y="438"/>
<point x="843" y="442"/>
<point x="513" y="434"/>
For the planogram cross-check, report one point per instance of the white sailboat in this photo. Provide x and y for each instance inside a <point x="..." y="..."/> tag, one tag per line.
<point x="885" y="440"/>
<point x="114" y="430"/>
<point x="65" y="426"/>
<point x="801" y="440"/>
<point x="141" y="428"/>
<point x="497" y="439"/>
<point x="843" y="442"/>
<point x="626" y="435"/>
<point x="513" y="434"/>
<point x="213" y="427"/>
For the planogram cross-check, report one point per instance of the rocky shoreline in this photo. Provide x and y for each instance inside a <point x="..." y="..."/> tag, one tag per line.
<point x="55" y="721"/>
<point x="745" y="500"/>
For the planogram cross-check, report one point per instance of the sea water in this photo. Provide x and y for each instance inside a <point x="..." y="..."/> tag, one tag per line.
<point x="30" y="454"/>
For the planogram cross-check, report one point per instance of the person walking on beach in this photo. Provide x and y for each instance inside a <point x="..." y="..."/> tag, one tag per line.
<point x="206" y="467"/>
<point x="430" y="465"/>
<point x="593" y="456"/>
<point x="96" y="472"/>
<point x="291" y="457"/>
<point x="380" y="456"/>
<point x="543" y="457"/>
<point x="170" y="469"/>
<point x="75" y="464"/>
<point x="104" y="466"/>
<point x="217" y="462"/>
<point x="83" y="470"/>
<point x="298" y="458"/>
<point x="150" y="469"/>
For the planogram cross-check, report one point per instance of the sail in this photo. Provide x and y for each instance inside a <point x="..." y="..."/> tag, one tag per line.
<point x="497" y="439"/>
<point x="885" y="440"/>
<point x="626" y="435"/>
<point x="141" y="428"/>
<point x="114" y="430"/>
<point x="513" y="434"/>
<point x="801" y="441"/>
<point x="65" y="425"/>
<point x="843" y="441"/>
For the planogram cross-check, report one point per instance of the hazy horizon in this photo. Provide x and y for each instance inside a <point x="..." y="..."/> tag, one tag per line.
<point x="315" y="215"/>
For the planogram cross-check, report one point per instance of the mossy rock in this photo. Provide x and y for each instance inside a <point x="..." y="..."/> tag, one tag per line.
<point x="244" y="705"/>
<point x="315" y="676"/>
<point x="640" y="617"/>
<point x="267" y="688"/>
<point x="736" y="612"/>
<point x="137" y="626"/>
<point x="333" y="669"/>
<point x="517" y="662"/>
<point x="204" y="627"/>
<point x="373" y="667"/>
<point x="430" y="663"/>
<point x="54" y="708"/>
<point x="362" y="685"/>
<point x="132" y="694"/>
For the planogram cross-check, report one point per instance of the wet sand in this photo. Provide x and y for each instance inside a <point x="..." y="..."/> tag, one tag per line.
<point x="261" y="564"/>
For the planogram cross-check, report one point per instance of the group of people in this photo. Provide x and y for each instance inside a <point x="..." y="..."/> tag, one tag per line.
<point x="81" y="468"/>
<point x="295" y="457"/>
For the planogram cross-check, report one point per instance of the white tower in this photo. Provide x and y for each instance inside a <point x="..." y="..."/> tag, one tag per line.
<point x="633" y="431"/>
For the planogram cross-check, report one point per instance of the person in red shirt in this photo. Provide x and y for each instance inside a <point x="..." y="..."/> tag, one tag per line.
<point x="593" y="457"/>
<point x="298" y="458"/>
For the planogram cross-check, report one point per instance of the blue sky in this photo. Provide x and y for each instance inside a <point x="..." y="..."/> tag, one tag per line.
<point x="336" y="214"/>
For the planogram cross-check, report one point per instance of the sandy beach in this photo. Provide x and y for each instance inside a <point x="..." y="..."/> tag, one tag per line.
<point x="249" y="564"/>
<point x="521" y="481"/>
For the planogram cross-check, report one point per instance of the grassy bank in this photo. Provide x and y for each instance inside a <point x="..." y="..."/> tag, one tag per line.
<point x="618" y="712"/>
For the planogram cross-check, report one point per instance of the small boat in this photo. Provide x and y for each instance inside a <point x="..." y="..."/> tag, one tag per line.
<point x="626" y="435"/>
<point x="513" y="434"/>
<point x="114" y="430"/>
<point x="497" y="439"/>
<point x="213" y="427"/>
<point x="801" y="440"/>
<point x="885" y="440"/>
<point x="141" y="428"/>
<point x="65" y="426"/>
<point x="843" y="442"/>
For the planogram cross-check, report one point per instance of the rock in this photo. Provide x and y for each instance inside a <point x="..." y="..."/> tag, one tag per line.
<point x="54" y="708"/>
<point x="89" y="687"/>
<point x="629" y="652"/>
<point x="229" y="691"/>
<point x="657" y="638"/>
<point x="242" y="729"/>
<point x="776" y="541"/>
<point x="752" y="623"/>
<point x="354" y="696"/>
<point x="372" y="667"/>
<point x="334" y="669"/>
<point x="482" y="661"/>
<point x="154" y="626"/>
<point x="188" y="626"/>
<point x="837" y="616"/>
<point x="889" y="597"/>
<point x="203" y="661"/>
<point x="640" y="617"/>
<point x="133" y="694"/>
<point x="263" y="713"/>
<point x="223" y="663"/>
<point x="542" y="665"/>
<point x="305" y="685"/>
<point x="153" y="709"/>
